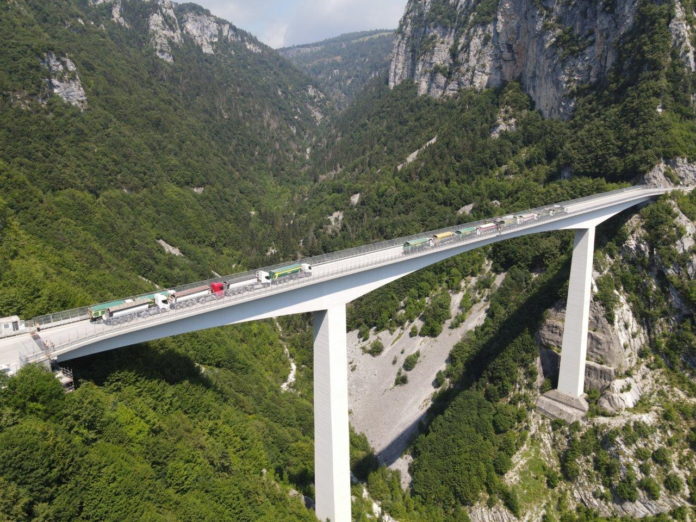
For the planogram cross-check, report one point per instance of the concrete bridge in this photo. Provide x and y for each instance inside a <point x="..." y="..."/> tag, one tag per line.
<point x="336" y="280"/>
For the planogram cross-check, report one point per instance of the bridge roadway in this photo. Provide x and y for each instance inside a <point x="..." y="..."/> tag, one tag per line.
<point x="336" y="280"/>
<point x="63" y="339"/>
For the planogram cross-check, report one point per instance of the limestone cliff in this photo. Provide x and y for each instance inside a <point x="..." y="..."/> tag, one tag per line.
<point x="64" y="81"/>
<point x="170" y="25"/>
<point x="551" y="47"/>
<point x="170" y="29"/>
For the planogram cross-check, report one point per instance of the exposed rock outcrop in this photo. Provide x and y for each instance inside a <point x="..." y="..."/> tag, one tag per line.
<point x="169" y="249"/>
<point x="682" y="36"/>
<point x="412" y="157"/>
<point x="621" y="394"/>
<point x="64" y="81"/>
<point x="550" y="47"/>
<point x="169" y="25"/>
<point x="116" y="7"/>
<point x="164" y="29"/>
<point x="605" y="344"/>
<point x="505" y="122"/>
<point x="672" y="173"/>
<point x="204" y="30"/>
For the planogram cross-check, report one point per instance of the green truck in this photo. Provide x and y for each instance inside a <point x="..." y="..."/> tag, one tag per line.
<point x="283" y="272"/>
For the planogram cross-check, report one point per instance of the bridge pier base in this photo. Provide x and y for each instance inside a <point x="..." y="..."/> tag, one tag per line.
<point x="331" y="432"/>
<point x="567" y="401"/>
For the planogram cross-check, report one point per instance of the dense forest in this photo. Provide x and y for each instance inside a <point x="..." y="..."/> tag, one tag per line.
<point x="237" y="158"/>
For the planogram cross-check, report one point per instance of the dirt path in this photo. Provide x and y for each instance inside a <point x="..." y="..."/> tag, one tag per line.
<point x="388" y="415"/>
<point x="293" y="366"/>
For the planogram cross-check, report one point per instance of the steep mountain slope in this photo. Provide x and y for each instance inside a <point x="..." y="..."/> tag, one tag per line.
<point x="134" y="131"/>
<point x="344" y="65"/>
<point x="551" y="48"/>
<point x="137" y="122"/>
<point x="144" y="143"/>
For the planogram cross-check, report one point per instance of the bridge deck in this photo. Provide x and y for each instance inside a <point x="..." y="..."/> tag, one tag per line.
<point x="60" y="336"/>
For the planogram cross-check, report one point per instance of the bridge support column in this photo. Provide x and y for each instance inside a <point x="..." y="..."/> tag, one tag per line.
<point x="567" y="401"/>
<point x="331" y="432"/>
<point x="571" y="377"/>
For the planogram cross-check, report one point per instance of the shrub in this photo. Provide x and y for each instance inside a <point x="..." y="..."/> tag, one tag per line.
<point x="411" y="361"/>
<point x="662" y="456"/>
<point x="552" y="478"/>
<point x="650" y="486"/>
<point x="502" y="463"/>
<point x="401" y="378"/>
<point x="642" y="453"/>
<point x="363" y="333"/>
<point x="673" y="483"/>
<point x="511" y="500"/>
<point x="376" y="348"/>
<point x="626" y="488"/>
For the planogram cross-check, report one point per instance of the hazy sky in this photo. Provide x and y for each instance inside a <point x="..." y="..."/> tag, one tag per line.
<point x="281" y="23"/>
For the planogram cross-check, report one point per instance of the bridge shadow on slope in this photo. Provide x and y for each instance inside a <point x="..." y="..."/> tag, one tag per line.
<point x="396" y="447"/>
<point x="149" y="362"/>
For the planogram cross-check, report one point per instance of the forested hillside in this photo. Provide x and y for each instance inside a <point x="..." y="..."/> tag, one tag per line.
<point x="148" y="143"/>
<point x="107" y="147"/>
<point x="127" y="127"/>
<point x="342" y="66"/>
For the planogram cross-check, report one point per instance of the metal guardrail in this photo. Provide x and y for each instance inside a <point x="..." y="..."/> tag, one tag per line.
<point x="78" y="314"/>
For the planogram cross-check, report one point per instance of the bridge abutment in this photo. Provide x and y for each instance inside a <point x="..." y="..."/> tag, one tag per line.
<point x="331" y="432"/>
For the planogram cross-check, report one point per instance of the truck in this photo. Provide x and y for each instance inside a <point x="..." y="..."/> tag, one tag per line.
<point x="131" y="306"/>
<point x="238" y="287"/>
<point x="467" y="231"/>
<point x="197" y="292"/>
<point x="525" y="218"/>
<point x="97" y="311"/>
<point x="417" y="244"/>
<point x="486" y="228"/>
<point x="443" y="237"/>
<point x="286" y="271"/>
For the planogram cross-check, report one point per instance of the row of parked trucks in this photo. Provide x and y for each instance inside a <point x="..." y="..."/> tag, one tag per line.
<point x="168" y="299"/>
<point x="485" y="228"/>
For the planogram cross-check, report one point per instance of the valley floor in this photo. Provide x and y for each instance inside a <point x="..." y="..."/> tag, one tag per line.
<point x="388" y="414"/>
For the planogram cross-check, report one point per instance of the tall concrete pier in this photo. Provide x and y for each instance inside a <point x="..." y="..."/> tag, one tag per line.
<point x="331" y="431"/>
<point x="571" y="376"/>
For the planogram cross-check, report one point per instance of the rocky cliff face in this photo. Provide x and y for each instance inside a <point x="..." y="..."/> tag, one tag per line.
<point x="551" y="47"/>
<point x="172" y="29"/>
<point x="64" y="81"/>
<point x="170" y="26"/>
